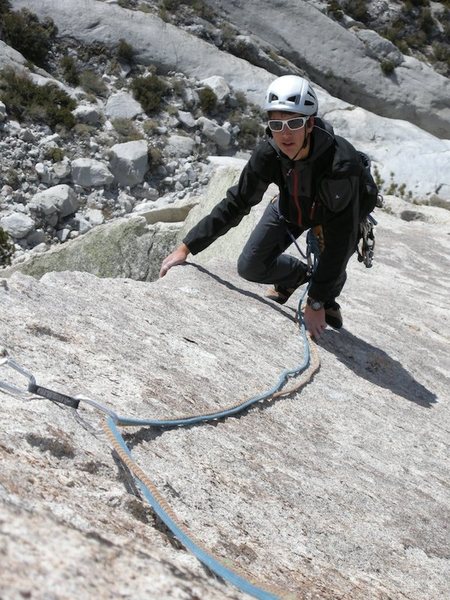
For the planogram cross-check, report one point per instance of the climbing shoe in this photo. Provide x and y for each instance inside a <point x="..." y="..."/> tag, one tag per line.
<point x="333" y="316"/>
<point x="281" y="294"/>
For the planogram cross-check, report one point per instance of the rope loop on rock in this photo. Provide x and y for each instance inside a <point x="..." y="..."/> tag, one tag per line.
<point x="308" y="367"/>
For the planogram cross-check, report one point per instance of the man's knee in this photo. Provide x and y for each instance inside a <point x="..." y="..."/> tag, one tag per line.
<point x="250" y="268"/>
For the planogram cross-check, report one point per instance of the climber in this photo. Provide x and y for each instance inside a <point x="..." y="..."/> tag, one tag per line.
<point x="322" y="182"/>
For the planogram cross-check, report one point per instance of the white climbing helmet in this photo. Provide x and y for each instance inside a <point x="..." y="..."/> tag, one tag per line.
<point x="291" y="93"/>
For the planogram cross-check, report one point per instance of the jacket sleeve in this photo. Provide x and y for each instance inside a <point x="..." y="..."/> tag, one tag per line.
<point x="253" y="182"/>
<point x="340" y="231"/>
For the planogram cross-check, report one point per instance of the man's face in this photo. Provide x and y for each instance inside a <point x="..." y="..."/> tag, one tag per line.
<point x="290" y="141"/>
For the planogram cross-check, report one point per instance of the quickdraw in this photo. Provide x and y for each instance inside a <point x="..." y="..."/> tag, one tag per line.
<point x="366" y="244"/>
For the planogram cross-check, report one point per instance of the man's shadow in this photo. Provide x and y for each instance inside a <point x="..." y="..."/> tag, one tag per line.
<point x="367" y="361"/>
<point x="375" y="365"/>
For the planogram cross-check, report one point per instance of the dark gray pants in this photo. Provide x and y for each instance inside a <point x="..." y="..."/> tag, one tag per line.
<point x="262" y="259"/>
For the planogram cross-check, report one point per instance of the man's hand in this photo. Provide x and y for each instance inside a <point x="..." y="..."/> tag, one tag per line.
<point x="177" y="257"/>
<point x="315" y="321"/>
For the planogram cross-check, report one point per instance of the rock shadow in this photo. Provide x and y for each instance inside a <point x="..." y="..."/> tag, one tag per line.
<point x="286" y="311"/>
<point x="375" y="365"/>
<point x="367" y="361"/>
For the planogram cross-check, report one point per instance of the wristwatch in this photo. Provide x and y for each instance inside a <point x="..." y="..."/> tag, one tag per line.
<point x="314" y="304"/>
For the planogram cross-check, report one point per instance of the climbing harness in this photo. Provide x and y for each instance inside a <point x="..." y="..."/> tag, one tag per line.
<point x="306" y="369"/>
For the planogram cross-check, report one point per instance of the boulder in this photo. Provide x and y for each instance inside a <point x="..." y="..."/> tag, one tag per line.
<point x="129" y="162"/>
<point x="122" y="105"/>
<point x="90" y="114"/>
<point x="218" y="85"/>
<point x="88" y="172"/>
<point x="216" y="133"/>
<point x="179" y="146"/>
<point x="17" y="225"/>
<point x="60" y="199"/>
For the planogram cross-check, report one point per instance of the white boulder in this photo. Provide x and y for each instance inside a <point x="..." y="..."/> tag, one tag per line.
<point x="129" y="162"/>
<point x="59" y="199"/>
<point x="179" y="145"/>
<point x="122" y="105"/>
<point x="89" y="172"/>
<point x="218" y="85"/>
<point x="17" y="225"/>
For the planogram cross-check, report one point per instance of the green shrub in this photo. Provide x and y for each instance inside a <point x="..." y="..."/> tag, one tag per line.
<point x="436" y="200"/>
<point x="426" y="22"/>
<point x="70" y="72"/>
<point x="200" y="7"/>
<point x="27" y="101"/>
<point x="441" y="52"/>
<point x="169" y="5"/>
<point x="93" y="83"/>
<point x="150" y="126"/>
<point x="127" y="3"/>
<point x="126" y="129"/>
<point x="144" y="8"/>
<point x="84" y="131"/>
<point x="357" y="9"/>
<point x="23" y="31"/>
<point x="377" y="177"/>
<point x="6" y="248"/>
<point x="5" y="6"/>
<point x="334" y="9"/>
<point x="149" y="91"/>
<point x="208" y="100"/>
<point x="250" y="130"/>
<point x="54" y="154"/>
<point x="155" y="156"/>
<point x="125" y="51"/>
<point x="241" y="100"/>
<point x="387" y="66"/>
<point x="12" y="179"/>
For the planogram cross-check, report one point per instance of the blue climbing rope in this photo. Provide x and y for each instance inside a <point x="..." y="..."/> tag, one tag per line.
<point x="114" y="420"/>
<point x="204" y="557"/>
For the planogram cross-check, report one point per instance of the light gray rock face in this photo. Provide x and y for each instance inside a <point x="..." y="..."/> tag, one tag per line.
<point x="129" y="162"/>
<point x="89" y="172"/>
<point x="122" y="248"/>
<point x="161" y="210"/>
<point x="340" y="64"/>
<point x="122" y="105"/>
<point x="339" y="491"/>
<point x="59" y="199"/>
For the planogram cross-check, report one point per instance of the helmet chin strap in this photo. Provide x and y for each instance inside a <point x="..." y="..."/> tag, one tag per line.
<point x="304" y="145"/>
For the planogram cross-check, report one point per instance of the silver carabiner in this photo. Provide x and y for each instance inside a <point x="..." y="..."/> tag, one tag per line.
<point x="11" y="388"/>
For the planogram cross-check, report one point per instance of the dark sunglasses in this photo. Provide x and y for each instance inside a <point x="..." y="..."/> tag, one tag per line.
<point x="292" y="124"/>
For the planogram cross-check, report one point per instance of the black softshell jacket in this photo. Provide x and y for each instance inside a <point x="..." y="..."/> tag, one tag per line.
<point x="320" y="190"/>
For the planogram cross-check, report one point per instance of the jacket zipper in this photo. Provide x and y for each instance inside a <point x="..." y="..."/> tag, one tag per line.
<point x="295" y="196"/>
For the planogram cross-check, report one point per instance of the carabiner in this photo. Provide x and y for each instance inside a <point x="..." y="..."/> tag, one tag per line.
<point x="11" y="388"/>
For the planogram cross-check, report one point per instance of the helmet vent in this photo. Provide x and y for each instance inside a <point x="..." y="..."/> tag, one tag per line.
<point x="294" y="99"/>
<point x="273" y="97"/>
